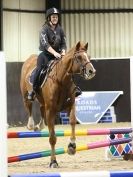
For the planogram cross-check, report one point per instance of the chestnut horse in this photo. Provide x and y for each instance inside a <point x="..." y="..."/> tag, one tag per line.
<point x="58" y="92"/>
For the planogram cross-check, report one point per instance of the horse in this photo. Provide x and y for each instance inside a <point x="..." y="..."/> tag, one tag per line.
<point x="57" y="93"/>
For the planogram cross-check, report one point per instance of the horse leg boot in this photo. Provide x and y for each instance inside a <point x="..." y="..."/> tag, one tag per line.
<point x="72" y="145"/>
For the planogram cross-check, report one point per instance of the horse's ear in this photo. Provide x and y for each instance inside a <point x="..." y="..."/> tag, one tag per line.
<point x="77" y="46"/>
<point x="86" y="46"/>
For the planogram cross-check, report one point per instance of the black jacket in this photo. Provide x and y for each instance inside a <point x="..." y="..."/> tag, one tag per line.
<point x="56" y="39"/>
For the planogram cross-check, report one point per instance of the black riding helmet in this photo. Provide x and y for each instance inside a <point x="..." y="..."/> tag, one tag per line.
<point x="51" y="11"/>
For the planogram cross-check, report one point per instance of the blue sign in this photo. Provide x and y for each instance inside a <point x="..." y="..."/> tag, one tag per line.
<point x="91" y="106"/>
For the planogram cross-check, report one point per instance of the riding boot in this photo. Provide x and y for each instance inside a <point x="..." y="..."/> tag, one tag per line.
<point x="77" y="91"/>
<point x="36" y="81"/>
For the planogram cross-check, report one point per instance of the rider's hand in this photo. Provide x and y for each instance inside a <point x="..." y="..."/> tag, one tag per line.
<point x="57" y="55"/>
<point x="63" y="52"/>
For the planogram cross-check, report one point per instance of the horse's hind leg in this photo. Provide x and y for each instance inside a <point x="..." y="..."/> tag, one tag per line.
<point x="72" y="145"/>
<point x="42" y="123"/>
<point x="28" y="106"/>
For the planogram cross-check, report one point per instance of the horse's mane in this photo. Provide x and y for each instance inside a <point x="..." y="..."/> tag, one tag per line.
<point x="59" y="63"/>
<point x="70" y="52"/>
<point x="66" y="61"/>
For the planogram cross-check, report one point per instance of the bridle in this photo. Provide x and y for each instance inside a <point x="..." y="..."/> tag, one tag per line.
<point x="82" y="66"/>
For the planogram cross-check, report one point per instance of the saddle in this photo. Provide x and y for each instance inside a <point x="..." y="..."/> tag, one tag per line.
<point x="43" y="74"/>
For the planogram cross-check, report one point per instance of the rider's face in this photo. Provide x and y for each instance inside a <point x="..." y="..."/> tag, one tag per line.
<point x="54" y="19"/>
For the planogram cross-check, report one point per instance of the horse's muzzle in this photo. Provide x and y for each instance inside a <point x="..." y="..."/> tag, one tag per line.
<point x="90" y="74"/>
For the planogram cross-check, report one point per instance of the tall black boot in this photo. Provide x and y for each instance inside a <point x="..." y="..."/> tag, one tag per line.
<point x="77" y="91"/>
<point x="36" y="81"/>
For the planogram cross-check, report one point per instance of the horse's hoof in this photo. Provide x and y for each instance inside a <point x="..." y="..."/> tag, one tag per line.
<point x="53" y="164"/>
<point x="128" y="156"/>
<point x="30" y="127"/>
<point x="71" y="148"/>
<point x="36" y="128"/>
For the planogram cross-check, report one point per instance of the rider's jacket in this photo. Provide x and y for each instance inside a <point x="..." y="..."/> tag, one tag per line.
<point x="54" y="38"/>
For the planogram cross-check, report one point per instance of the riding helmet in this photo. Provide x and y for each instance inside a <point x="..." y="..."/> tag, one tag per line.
<point x="51" y="11"/>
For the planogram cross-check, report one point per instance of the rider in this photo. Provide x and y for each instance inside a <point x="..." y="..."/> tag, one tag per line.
<point x="52" y="46"/>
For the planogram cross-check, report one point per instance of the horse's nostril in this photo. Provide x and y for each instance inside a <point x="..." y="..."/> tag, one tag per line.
<point x="90" y="71"/>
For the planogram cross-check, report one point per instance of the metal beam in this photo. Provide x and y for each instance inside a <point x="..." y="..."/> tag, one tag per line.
<point x="77" y="11"/>
<point x="51" y="3"/>
<point x="1" y="24"/>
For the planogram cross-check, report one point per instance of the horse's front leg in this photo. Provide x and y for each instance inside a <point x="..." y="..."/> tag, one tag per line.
<point x="72" y="145"/>
<point x="50" y="115"/>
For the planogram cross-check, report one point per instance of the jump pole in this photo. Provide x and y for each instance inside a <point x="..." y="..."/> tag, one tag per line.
<point x="105" y="131"/>
<point x="79" y="174"/>
<point x="89" y="146"/>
